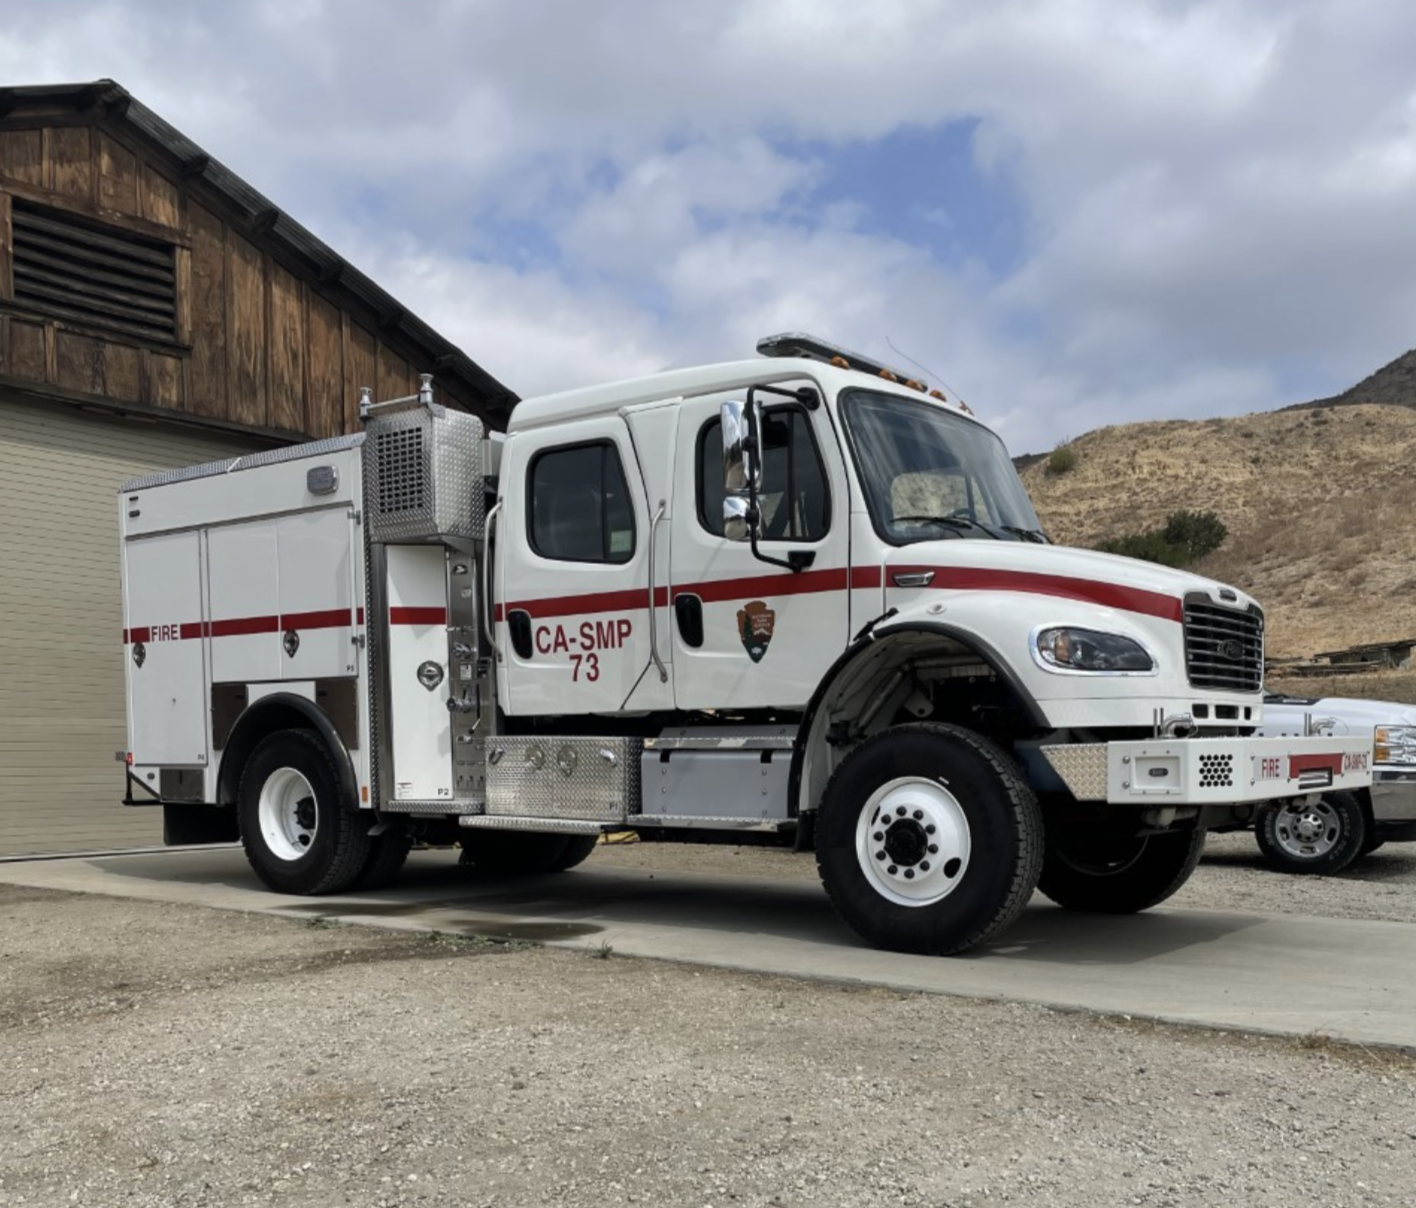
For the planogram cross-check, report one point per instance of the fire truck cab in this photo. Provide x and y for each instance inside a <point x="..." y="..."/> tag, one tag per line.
<point x="796" y="599"/>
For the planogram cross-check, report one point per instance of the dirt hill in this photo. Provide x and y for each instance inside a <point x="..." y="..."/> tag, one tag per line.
<point x="1394" y="384"/>
<point x="1320" y="504"/>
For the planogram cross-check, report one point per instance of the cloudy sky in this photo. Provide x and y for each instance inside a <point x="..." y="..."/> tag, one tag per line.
<point x="1073" y="212"/>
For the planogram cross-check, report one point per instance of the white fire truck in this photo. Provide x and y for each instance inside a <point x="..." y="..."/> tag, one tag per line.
<point x="795" y="599"/>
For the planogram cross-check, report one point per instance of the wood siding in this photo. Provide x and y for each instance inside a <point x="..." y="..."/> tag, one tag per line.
<point x="257" y="344"/>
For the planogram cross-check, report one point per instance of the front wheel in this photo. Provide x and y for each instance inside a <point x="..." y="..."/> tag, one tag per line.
<point x="1318" y="839"/>
<point x="1105" y="872"/>
<point x="928" y="840"/>
<point x="299" y="832"/>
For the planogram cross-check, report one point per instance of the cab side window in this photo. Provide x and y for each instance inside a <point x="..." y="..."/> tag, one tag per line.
<point x="580" y="507"/>
<point x="794" y="498"/>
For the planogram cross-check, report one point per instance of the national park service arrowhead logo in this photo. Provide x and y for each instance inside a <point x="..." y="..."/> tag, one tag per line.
<point x="755" y="624"/>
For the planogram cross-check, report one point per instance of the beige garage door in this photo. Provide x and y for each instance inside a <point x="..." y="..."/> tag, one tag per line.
<point x="61" y="652"/>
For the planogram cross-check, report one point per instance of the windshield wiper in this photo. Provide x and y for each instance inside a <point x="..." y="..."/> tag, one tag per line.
<point x="1027" y="534"/>
<point x="959" y="522"/>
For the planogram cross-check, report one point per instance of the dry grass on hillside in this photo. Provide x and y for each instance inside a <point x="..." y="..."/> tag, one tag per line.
<point x="1320" y="506"/>
<point x="1398" y="685"/>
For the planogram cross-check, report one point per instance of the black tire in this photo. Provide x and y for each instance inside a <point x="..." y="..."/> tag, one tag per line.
<point x="387" y="854"/>
<point x="964" y="828"/>
<point x="1316" y="840"/>
<point x="577" y="850"/>
<point x="1100" y="871"/>
<point x="1374" y="841"/>
<point x="496" y="853"/>
<point x="306" y="838"/>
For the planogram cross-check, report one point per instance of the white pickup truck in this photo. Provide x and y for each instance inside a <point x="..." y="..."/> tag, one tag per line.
<point x="1339" y="828"/>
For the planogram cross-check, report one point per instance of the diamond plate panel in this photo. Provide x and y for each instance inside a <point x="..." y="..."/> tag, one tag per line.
<point x="1082" y="767"/>
<point x="589" y="779"/>
<point x="423" y="476"/>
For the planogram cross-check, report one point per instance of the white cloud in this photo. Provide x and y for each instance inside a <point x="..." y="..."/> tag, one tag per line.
<point x="1214" y="194"/>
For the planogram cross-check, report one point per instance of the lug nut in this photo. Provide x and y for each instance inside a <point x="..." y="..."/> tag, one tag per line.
<point x="880" y="855"/>
<point x="879" y="836"/>
<point x="899" y="811"/>
<point x="892" y="870"/>
<point x="918" y="814"/>
<point x="929" y="830"/>
<point x="933" y="849"/>
<point x="924" y="866"/>
<point x="909" y="874"/>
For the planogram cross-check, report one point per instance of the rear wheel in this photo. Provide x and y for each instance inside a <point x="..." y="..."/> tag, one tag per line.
<point x="523" y="853"/>
<point x="1107" y="872"/>
<point x="299" y="832"/>
<point x="928" y="840"/>
<point x="1318" y="839"/>
<point x="388" y="853"/>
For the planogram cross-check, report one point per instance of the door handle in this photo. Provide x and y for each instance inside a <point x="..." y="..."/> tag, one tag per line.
<point x="489" y="625"/>
<point x="688" y="609"/>
<point x="654" y="628"/>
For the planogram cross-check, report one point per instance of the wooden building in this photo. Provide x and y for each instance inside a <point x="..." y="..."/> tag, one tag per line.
<point x="155" y="311"/>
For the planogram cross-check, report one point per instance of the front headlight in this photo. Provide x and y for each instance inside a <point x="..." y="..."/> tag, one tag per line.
<point x="1091" y="650"/>
<point x="1395" y="744"/>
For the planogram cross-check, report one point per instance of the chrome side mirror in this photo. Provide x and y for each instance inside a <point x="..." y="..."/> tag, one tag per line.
<point x="741" y="474"/>
<point x="736" y="526"/>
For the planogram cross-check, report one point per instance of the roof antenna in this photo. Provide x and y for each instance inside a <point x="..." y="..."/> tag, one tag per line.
<point x="927" y="371"/>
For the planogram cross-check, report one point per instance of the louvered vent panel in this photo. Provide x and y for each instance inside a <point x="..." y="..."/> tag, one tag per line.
<point x="74" y="272"/>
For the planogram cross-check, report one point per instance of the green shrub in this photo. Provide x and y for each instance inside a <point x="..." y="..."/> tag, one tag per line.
<point x="1183" y="539"/>
<point x="1197" y="533"/>
<point x="1062" y="459"/>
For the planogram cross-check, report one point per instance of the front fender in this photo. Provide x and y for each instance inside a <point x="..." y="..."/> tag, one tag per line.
<point x="868" y="661"/>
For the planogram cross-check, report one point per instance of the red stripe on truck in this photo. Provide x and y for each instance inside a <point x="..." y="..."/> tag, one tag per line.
<point x="233" y="627"/>
<point x="417" y="616"/>
<point x="1109" y="595"/>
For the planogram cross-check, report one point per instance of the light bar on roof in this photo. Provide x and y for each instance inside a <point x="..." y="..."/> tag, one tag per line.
<point x="799" y="344"/>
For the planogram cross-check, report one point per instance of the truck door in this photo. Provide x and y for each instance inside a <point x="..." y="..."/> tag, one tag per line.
<point x="747" y="633"/>
<point x="572" y="601"/>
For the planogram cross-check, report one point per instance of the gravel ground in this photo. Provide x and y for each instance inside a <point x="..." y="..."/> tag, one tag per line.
<point x="158" y="1055"/>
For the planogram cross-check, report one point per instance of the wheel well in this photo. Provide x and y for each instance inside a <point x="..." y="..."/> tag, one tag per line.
<point x="910" y="672"/>
<point x="283" y="711"/>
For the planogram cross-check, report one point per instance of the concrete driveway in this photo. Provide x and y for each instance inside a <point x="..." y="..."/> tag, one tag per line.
<point x="1284" y="974"/>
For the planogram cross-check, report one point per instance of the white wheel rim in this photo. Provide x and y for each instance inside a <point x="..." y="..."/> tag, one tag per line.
<point x="913" y="842"/>
<point x="289" y="818"/>
<point x="1307" y="832"/>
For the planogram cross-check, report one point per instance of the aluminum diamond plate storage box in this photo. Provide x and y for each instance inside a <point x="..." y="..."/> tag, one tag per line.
<point x="590" y="779"/>
<point x="423" y="476"/>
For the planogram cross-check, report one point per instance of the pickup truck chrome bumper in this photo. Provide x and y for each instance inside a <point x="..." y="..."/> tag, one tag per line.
<point x="1210" y="771"/>
<point x="1393" y="795"/>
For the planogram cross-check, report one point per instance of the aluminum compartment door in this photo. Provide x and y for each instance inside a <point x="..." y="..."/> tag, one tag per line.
<point x="317" y="607"/>
<point x="243" y="570"/>
<point x="167" y="674"/>
<point x="420" y="733"/>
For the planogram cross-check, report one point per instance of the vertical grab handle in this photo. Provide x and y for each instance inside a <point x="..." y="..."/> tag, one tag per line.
<point x="653" y="622"/>
<point x="489" y="629"/>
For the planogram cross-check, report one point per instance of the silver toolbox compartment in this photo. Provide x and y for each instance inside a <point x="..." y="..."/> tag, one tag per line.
<point x="589" y="779"/>
<point x="423" y="476"/>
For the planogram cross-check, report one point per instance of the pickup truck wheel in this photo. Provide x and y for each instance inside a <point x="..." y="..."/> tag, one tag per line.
<point x="523" y="853"/>
<point x="1319" y="839"/>
<point x="1103" y="872"/>
<point x="299" y="834"/>
<point x="928" y="840"/>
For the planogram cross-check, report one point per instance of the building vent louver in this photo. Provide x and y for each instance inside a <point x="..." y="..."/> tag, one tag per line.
<point x="111" y="281"/>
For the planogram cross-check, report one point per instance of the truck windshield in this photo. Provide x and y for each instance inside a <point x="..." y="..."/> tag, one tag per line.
<point x="930" y="474"/>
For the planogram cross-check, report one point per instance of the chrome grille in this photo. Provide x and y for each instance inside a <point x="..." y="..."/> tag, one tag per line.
<point x="1224" y="647"/>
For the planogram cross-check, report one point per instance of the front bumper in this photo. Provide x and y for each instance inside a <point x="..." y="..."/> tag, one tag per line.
<point x="1210" y="771"/>
<point x="1393" y="795"/>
